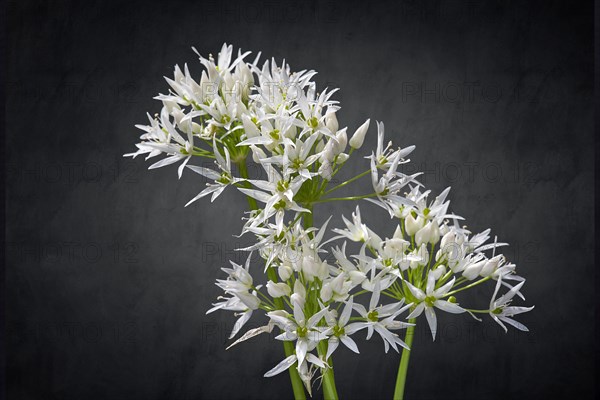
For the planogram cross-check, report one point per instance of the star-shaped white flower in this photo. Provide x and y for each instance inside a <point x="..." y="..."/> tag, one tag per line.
<point x="430" y="299"/>
<point x="501" y="311"/>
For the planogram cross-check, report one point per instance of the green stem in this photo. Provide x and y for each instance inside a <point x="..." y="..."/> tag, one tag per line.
<point x="403" y="368"/>
<point x="341" y="185"/>
<point x="466" y="287"/>
<point x="366" y="196"/>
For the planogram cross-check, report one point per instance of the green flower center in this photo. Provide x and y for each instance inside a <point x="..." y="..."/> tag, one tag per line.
<point x="282" y="186"/>
<point x="297" y="163"/>
<point x="338" y="331"/>
<point x="429" y="300"/>
<point x="275" y="134"/>
<point x="224" y="179"/>
<point x="280" y="205"/>
<point x="301" y="331"/>
<point x="373" y="316"/>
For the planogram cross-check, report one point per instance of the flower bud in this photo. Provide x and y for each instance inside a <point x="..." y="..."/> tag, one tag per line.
<point x="326" y="292"/>
<point x="438" y="272"/>
<point x="326" y="170"/>
<point x="398" y="233"/>
<point x="257" y="154"/>
<point x="337" y="284"/>
<point x="357" y="277"/>
<point x="299" y="289"/>
<point x="250" y="127"/>
<point x="430" y="233"/>
<point x="359" y="136"/>
<point x="491" y="266"/>
<point x="285" y="272"/>
<point x="196" y="128"/>
<point x="412" y="225"/>
<point x="448" y="240"/>
<point x="340" y="142"/>
<point x="250" y="300"/>
<point x="328" y="153"/>
<point x="331" y="122"/>
<point x="297" y="299"/>
<point x="246" y="74"/>
<point x="473" y="270"/>
<point x="396" y="245"/>
<point x="242" y="276"/>
<point x="341" y="158"/>
<point x="278" y="289"/>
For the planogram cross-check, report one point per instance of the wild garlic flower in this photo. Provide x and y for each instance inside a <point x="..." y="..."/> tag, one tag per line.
<point x="240" y="112"/>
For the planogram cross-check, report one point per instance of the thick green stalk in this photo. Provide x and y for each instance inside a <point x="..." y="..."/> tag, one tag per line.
<point x="403" y="368"/>
<point x="288" y="347"/>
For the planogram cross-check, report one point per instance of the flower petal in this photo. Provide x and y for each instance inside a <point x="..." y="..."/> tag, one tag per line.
<point x="282" y="366"/>
<point x="431" y="320"/>
<point x="449" y="307"/>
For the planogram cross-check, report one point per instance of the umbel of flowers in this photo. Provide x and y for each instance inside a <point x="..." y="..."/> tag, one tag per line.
<point x="316" y="292"/>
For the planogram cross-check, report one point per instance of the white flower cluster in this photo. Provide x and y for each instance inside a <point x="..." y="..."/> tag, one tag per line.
<point x="318" y="298"/>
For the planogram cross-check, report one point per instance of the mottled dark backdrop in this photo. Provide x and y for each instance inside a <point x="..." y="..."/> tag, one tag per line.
<point x="109" y="276"/>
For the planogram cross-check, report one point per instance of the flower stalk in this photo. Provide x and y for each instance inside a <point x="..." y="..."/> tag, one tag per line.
<point x="405" y="358"/>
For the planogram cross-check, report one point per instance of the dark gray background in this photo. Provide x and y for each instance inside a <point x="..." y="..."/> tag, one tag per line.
<point x="109" y="277"/>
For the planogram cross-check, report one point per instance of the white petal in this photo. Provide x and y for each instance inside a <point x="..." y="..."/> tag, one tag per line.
<point x="347" y="312"/>
<point x="166" y="161"/>
<point x="282" y="366"/>
<point x="418" y="293"/>
<point x="332" y="344"/>
<point x="209" y="173"/>
<point x="430" y="283"/>
<point x="431" y="320"/>
<point x="301" y="349"/>
<point x="449" y="307"/>
<point x="444" y="289"/>
<point x="205" y="192"/>
<point x="312" y="321"/>
<point x="240" y="323"/>
<point x="514" y="323"/>
<point x="349" y="343"/>
<point x="355" y="327"/>
<point x="251" y="333"/>
<point x="417" y="311"/>
<point x="375" y="295"/>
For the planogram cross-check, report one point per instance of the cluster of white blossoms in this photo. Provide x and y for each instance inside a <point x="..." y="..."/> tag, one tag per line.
<point x="314" y="293"/>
